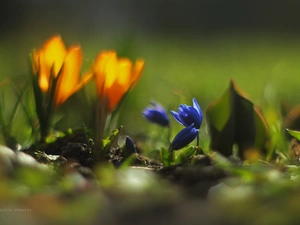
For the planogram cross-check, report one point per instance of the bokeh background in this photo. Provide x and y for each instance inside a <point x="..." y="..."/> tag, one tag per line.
<point x="191" y="48"/>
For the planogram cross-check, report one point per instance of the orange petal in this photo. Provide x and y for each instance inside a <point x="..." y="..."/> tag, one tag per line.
<point x="124" y="72"/>
<point x="137" y="71"/>
<point x="69" y="77"/>
<point x="101" y="70"/>
<point x="121" y="84"/>
<point x="44" y="74"/>
<point x="43" y="78"/>
<point x="111" y="71"/>
<point x="114" y="77"/>
<point x="55" y="52"/>
<point x="49" y="59"/>
<point x="115" y="94"/>
<point x="87" y="77"/>
<point x="101" y="60"/>
<point x="43" y="83"/>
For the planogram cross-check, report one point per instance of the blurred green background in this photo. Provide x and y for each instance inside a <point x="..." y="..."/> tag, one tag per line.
<point x="191" y="49"/>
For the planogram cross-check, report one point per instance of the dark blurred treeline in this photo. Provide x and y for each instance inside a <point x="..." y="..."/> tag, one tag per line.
<point x="153" y="15"/>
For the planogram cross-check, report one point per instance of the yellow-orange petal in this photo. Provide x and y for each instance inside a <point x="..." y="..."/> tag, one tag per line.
<point x="124" y="72"/>
<point x="114" y="77"/>
<point x="137" y="71"/>
<point x="50" y="59"/>
<point x="101" y="60"/>
<point x="54" y="51"/>
<point x="101" y="70"/>
<point x="110" y="71"/>
<point x="68" y="79"/>
<point x="43" y="74"/>
<point x="43" y="83"/>
<point x="115" y="94"/>
<point x="87" y="77"/>
<point x="121" y="84"/>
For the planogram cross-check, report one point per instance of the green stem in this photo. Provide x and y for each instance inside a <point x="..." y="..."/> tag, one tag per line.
<point x="198" y="140"/>
<point x="172" y="157"/>
<point x="101" y="117"/>
<point x="45" y="126"/>
<point x="49" y="109"/>
<point x="40" y="108"/>
<point x="169" y="135"/>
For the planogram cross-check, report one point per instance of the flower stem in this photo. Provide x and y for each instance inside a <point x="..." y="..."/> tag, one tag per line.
<point x="169" y="135"/>
<point x="101" y="119"/>
<point x="198" y="140"/>
<point x="171" y="157"/>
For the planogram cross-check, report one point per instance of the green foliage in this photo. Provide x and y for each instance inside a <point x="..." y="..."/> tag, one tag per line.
<point x="15" y="113"/>
<point x="185" y="155"/>
<point x="294" y="133"/>
<point x="128" y="161"/>
<point x="35" y="179"/>
<point x="233" y="119"/>
<point x="108" y="141"/>
<point x="291" y="119"/>
<point x="182" y="156"/>
<point x="45" y="105"/>
<point x="166" y="156"/>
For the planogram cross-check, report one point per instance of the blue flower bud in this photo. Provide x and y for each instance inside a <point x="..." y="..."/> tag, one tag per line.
<point x="188" y="115"/>
<point x="184" y="137"/>
<point x="129" y="146"/>
<point x="156" y="114"/>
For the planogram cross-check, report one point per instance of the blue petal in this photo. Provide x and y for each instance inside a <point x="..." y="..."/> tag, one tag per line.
<point x="147" y="113"/>
<point x="189" y="116"/>
<point x="183" y="112"/>
<point x="154" y="116"/>
<point x="194" y="116"/>
<point x="176" y="117"/>
<point x="198" y="108"/>
<point x="159" y="108"/>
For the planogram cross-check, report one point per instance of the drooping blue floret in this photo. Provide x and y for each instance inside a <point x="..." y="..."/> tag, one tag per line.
<point x="184" y="137"/>
<point x="156" y="114"/>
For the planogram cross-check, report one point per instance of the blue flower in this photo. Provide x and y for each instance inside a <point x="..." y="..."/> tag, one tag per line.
<point x="156" y="114"/>
<point x="184" y="137"/>
<point x="188" y="115"/>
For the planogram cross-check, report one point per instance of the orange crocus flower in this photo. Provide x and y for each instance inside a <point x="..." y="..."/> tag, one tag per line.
<point x="54" y="61"/>
<point x="115" y="76"/>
